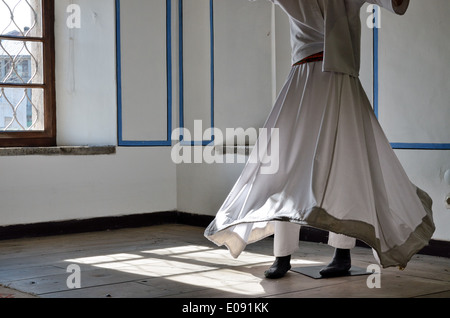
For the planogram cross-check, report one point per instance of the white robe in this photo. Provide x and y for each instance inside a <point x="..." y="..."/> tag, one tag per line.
<point x="331" y="26"/>
<point x="337" y="170"/>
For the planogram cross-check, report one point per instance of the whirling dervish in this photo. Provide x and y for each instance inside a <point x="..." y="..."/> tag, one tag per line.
<point x="337" y="171"/>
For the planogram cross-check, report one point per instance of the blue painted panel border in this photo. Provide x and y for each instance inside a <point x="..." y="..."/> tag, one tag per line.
<point x="146" y="143"/>
<point x="395" y="145"/>
<point x="181" y="76"/>
<point x="375" y="71"/>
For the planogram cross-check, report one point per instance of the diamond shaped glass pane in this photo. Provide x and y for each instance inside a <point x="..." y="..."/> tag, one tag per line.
<point x="20" y="18"/>
<point x="21" y="109"/>
<point x="20" y="62"/>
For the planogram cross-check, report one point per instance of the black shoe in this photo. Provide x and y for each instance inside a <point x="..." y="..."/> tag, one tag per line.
<point x="279" y="268"/>
<point x="339" y="266"/>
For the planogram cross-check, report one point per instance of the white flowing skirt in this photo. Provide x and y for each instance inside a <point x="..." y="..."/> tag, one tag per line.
<point x="336" y="172"/>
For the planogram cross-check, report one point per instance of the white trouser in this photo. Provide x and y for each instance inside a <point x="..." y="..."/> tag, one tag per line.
<point x="287" y="236"/>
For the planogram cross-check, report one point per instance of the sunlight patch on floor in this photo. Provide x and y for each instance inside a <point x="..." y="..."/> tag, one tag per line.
<point x="191" y="264"/>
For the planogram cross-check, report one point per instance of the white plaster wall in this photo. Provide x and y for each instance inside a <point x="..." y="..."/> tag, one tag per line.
<point x="415" y="96"/>
<point x="426" y="169"/>
<point x="243" y="81"/>
<point x="37" y="189"/>
<point x="53" y="188"/>
<point x="243" y="64"/>
<point x="196" y="64"/>
<point x="202" y="188"/>
<point x="414" y="77"/>
<point x="144" y="70"/>
<point x="85" y="74"/>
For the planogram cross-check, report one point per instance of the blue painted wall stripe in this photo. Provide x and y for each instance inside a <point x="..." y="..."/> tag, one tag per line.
<point x="211" y="6"/>
<point x="181" y="75"/>
<point x="421" y="146"/>
<point x="375" y="70"/>
<point x="118" y="74"/>
<point x="169" y="70"/>
<point x="181" y="69"/>
<point x="145" y="143"/>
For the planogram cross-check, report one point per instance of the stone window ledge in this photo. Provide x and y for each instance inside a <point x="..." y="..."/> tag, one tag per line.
<point x="58" y="151"/>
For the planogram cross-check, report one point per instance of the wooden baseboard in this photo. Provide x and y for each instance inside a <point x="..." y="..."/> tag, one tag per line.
<point x="435" y="248"/>
<point x="87" y="225"/>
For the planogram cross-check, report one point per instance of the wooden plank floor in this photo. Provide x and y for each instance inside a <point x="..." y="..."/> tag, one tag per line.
<point x="176" y="261"/>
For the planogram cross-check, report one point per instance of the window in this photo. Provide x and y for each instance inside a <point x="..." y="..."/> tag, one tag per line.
<point x="27" y="73"/>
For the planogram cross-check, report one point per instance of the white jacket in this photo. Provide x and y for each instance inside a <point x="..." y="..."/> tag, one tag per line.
<point x="332" y="26"/>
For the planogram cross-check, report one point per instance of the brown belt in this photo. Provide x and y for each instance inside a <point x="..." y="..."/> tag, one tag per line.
<point x="312" y="58"/>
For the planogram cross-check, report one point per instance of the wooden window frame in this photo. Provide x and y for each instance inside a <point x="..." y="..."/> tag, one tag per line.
<point x="47" y="137"/>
